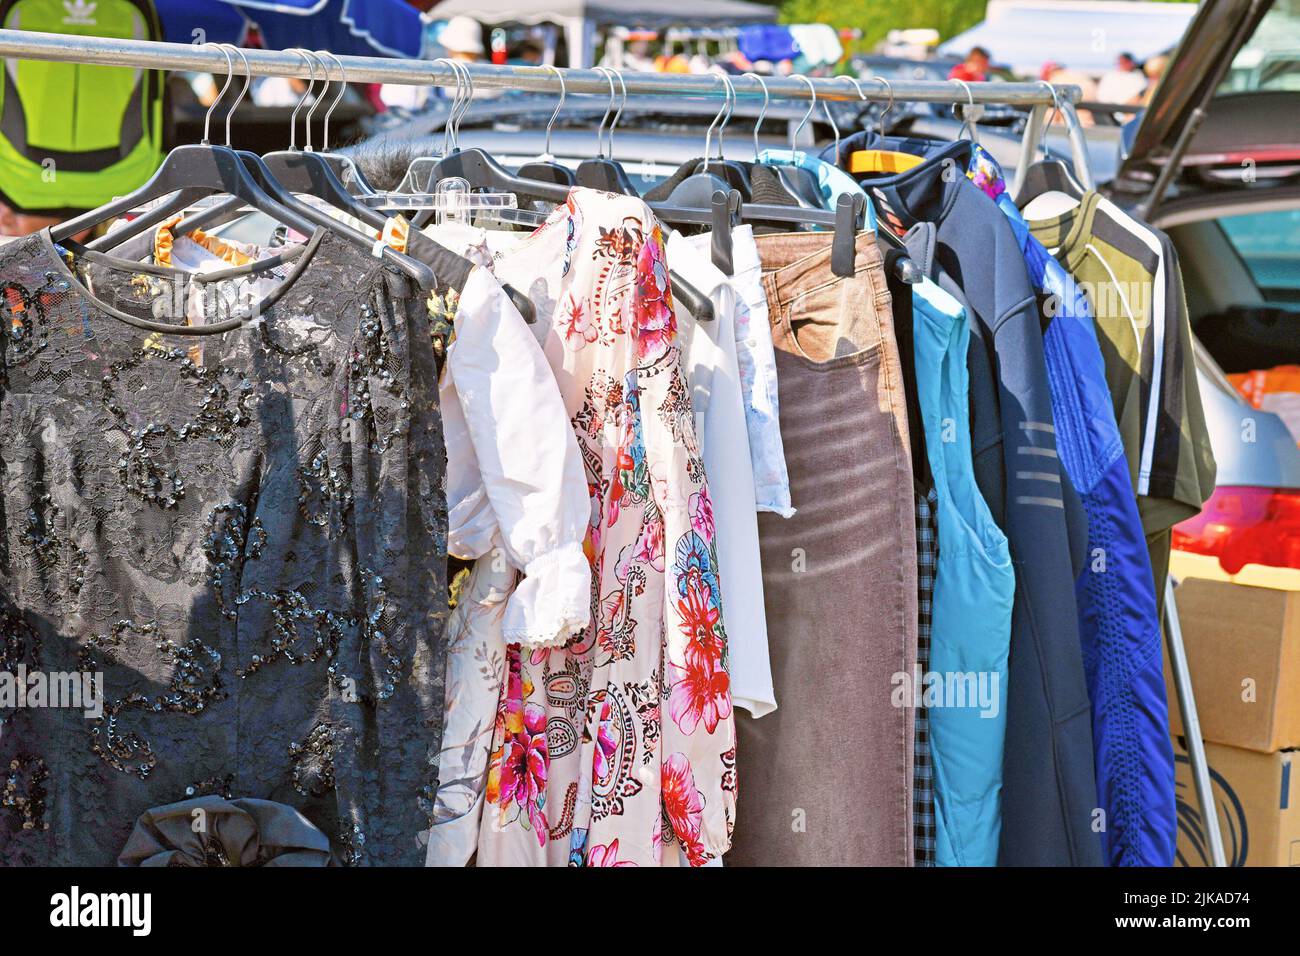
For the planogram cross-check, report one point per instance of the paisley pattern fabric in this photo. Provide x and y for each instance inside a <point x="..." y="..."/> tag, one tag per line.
<point x="241" y="537"/>
<point x="618" y="748"/>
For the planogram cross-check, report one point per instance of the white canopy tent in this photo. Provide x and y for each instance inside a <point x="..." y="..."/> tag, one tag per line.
<point x="580" y="19"/>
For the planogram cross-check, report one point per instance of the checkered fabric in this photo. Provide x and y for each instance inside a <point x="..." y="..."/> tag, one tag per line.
<point x="927" y="557"/>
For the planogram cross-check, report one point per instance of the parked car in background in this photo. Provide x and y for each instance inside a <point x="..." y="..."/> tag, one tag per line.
<point x="1232" y="209"/>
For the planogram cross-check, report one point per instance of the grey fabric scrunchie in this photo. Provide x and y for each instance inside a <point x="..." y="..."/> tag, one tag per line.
<point x="210" y="831"/>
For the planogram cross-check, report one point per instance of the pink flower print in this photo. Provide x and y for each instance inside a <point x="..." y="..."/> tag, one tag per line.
<point x="652" y="306"/>
<point x="606" y="855"/>
<point x="701" y="691"/>
<point x="684" y="806"/>
<point x="577" y="323"/>
<point x="701" y="512"/>
<point x="606" y="744"/>
<point x="524" y="763"/>
<point x="650" y="544"/>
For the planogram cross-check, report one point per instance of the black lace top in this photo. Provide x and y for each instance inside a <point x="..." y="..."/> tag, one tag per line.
<point x="241" y="536"/>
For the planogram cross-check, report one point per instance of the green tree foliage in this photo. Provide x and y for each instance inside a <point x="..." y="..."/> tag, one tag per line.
<point x="875" y="18"/>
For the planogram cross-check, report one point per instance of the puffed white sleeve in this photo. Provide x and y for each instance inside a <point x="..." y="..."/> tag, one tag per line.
<point x="513" y="415"/>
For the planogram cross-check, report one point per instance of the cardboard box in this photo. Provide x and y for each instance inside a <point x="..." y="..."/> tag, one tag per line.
<point x="1258" y="799"/>
<point x="1243" y="648"/>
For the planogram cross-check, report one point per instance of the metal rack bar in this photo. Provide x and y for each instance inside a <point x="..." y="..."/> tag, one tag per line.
<point x="147" y="54"/>
<point x="1196" y="759"/>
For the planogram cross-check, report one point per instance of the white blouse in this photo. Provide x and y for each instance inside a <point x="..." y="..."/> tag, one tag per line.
<point x="515" y="486"/>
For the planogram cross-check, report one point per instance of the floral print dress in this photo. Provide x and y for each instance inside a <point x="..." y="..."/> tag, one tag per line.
<point x="618" y="749"/>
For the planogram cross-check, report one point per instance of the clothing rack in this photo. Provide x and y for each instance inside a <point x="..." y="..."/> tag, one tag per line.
<point x="1041" y="97"/>
<point x="208" y="58"/>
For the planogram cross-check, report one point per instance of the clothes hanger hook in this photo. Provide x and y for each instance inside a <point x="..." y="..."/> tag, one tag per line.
<point x="311" y="85"/>
<point x="316" y="102"/>
<point x="889" y="87"/>
<point x="600" y="130"/>
<point x="826" y="108"/>
<point x="230" y="75"/>
<point x="794" y="134"/>
<point x="548" y="156"/>
<point x="622" y="102"/>
<point x="243" y="90"/>
<point x="1056" y="114"/>
<point x="731" y="108"/>
<point x="966" y="122"/>
<point x="856" y="85"/>
<point x="343" y="88"/>
<point x="466" y="104"/>
<point x="451" y="111"/>
<point x="761" y="113"/>
<point x="723" y="114"/>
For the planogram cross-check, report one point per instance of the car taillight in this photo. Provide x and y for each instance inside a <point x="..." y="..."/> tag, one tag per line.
<point x="1241" y="526"/>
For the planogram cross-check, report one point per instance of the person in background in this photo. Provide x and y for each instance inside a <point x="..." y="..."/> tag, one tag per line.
<point x="1064" y="76"/>
<point x="528" y="52"/>
<point x="637" y="57"/>
<point x="462" y="38"/>
<point x="1123" y="83"/>
<point x="975" y="68"/>
<point x="1155" y="70"/>
<point x="16" y="223"/>
<point x="278" y="90"/>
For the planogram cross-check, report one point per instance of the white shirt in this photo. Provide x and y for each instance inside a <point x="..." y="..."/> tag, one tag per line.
<point x="756" y="358"/>
<point x="709" y="360"/>
<point x="514" y="478"/>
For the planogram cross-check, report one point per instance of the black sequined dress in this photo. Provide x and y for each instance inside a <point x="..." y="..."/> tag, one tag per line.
<point x="243" y="535"/>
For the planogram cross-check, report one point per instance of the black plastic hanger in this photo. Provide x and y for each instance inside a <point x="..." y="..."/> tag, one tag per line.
<point x="196" y="170"/>
<point x="290" y="171"/>
<point x="306" y="171"/>
<point x="481" y="171"/>
<point x="544" y="168"/>
<point x="709" y="174"/>
<point x="798" y="186"/>
<point x="1048" y="175"/>
<point x="475" y="166"/>
<point x="265" y="177"/>
<point x="295" y="170"/>
<point x="726" y="207"/>
<point x="603" y="172"/>
<point x="349" y="174"/>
